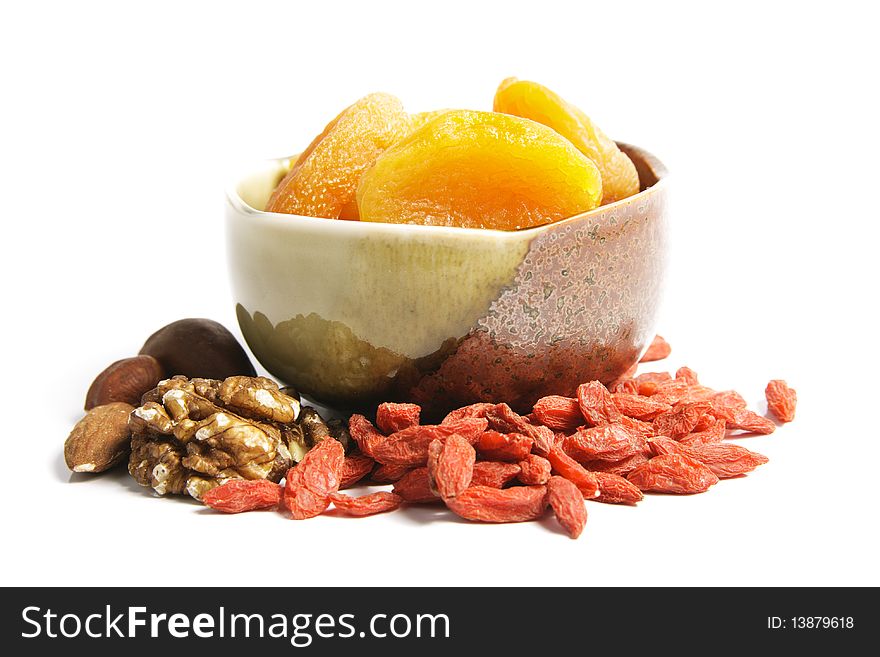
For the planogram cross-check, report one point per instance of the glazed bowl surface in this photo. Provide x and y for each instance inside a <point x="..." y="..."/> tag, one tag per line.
<point x="356" y="313"/>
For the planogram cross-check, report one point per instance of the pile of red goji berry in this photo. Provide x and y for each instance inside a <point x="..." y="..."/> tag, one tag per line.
<point x="654" y="432"/>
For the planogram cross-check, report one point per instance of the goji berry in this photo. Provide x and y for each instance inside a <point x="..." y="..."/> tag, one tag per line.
<point x="657" y="350"/>
<point x="671" y="392"/>
<point x="726" y="459"/>
<point x="450" y="465"/>
<point x="687" y="375"/>
<point x="415" y="487"/>
<point x="673" y="473"/>
<point x="364" y="434"/>
<point x="410" y="446"/>
<point x="485" y="504"/>
<point x="239" y="495"/>
<point x="611" y="442"/>
<point x="726" y="404"/>
<point x="366" y="505"/>
<point x="639" y="407"/>
<point x="567" y="467"/>
<point x="749" y="421"/>
<point x="495" y="446"/>
<point x="534" y="470"/>
<point x="388" y="473"/>
<point x="713" y="434"/>
<point x="597" y="405"/>
<point x="621" y="468"/>
<point x="392" y="417"/>
<point x="504" y="419"/>
<point x="310" y="484"/>
<point x="681" y="420"/>
<point x="614" y="489"/>
<point x="781" y="400"/>
<point x="495" y="474"/>
<point x="638" y="428"/>
<point x="354" y="468"/>
<point x="474" y="410"/>
<point x="568" y="504"/>
<point x="559" y="413"/>
<point x="627" y="386"/>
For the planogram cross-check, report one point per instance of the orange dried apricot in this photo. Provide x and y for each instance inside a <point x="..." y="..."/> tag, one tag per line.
<point x="423" y="118"/>
<point x="479" y="170"/>
<point x="323" y="181"/>
<point x="531" y="100"/>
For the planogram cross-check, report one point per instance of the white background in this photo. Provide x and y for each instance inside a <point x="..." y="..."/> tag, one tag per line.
<point x="121" y="121"/>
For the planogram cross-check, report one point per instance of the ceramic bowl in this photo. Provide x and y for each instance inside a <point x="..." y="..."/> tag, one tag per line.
<point x="355" y="313"/>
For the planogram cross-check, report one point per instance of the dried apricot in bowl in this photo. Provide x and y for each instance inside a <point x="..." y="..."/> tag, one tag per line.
<point x="323" y="181"/>
<point x="531" y="100"/>
<point x="479" y="170"/>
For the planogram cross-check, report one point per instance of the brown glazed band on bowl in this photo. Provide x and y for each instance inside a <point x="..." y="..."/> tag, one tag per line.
<point x="356" y="313"/>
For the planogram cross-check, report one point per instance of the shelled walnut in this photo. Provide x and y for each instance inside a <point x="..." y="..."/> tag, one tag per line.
<point x="190" y="435"/>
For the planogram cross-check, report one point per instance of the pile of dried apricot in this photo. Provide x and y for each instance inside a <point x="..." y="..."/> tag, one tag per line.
<point x="534" y="160"/>
<point x="655" y="432"/>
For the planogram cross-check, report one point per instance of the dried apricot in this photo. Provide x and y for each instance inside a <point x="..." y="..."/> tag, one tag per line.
<point x="479" y="170"/>
<point x="531" y="100"/>
<point x="323" y="181"/>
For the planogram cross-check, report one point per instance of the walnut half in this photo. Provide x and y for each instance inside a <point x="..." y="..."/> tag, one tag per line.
<point x="189" y="436"/>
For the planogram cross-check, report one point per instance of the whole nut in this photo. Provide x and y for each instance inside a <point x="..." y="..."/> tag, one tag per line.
<point x="198" y="348"/>
<point x="126" y="381"/>
<point x="100" y="440"/>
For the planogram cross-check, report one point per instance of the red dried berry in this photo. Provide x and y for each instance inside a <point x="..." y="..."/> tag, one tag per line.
<point x="495" y="474"/>
<point x="681" y="420"/>
<point x="450" y="465"/>
<point x="658" y="350"/>
<point x="726" y="459"/>
<point x="366" y="505"/>
<point x="621" y="468"/>
<point x="673" y="473"/>
<point x="614" y="489"/>
<point x="671" y="392"/>
<point x="392" y="417"/>
<point x="749" y="421"/>
<point x="781" y="400"/>
<point x="559" y="413"/>
<point x="504" y="419"/>
<point x="534" y="470"/>
<point x="495" y="446"/>
<point x="597" y="405"/>
<point x="474" y="410"/>
<point x="638" y="428"/>
<point x="726" y="404"/>
<point x="239" y="495"/>
<point x="410" y="446"/>
<point x="687" y="375"/>
<point x="310" y="484"/>
<point x="415" y="487"/>
<point x="389" y="473"/>
<point x="612" y="442"/>
<point x="354" y="468"/>
<point x="567" y="467"/>
<point x="626" y="386"/>
<point x="568" y="504"/>
<point x="364" y="434"/>
<point x="704" y="423"/>
<point x="485" y="504"/>
<point x="639" y="407"/>
<point x="713" y="434"/>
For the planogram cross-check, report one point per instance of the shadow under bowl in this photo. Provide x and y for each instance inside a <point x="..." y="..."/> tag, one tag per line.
<point x="356" y="313"/>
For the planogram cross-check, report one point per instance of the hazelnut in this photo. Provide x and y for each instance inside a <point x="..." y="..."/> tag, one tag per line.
<point x="100" y="440"/>
<point x="198" y="348"/>
<point x="125" y="380"/>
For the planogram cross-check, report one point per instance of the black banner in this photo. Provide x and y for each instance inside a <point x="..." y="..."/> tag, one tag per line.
<point x="518" y="621"/>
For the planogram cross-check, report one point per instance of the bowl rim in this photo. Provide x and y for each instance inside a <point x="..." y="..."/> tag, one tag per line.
<point x="242" y="208"/>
